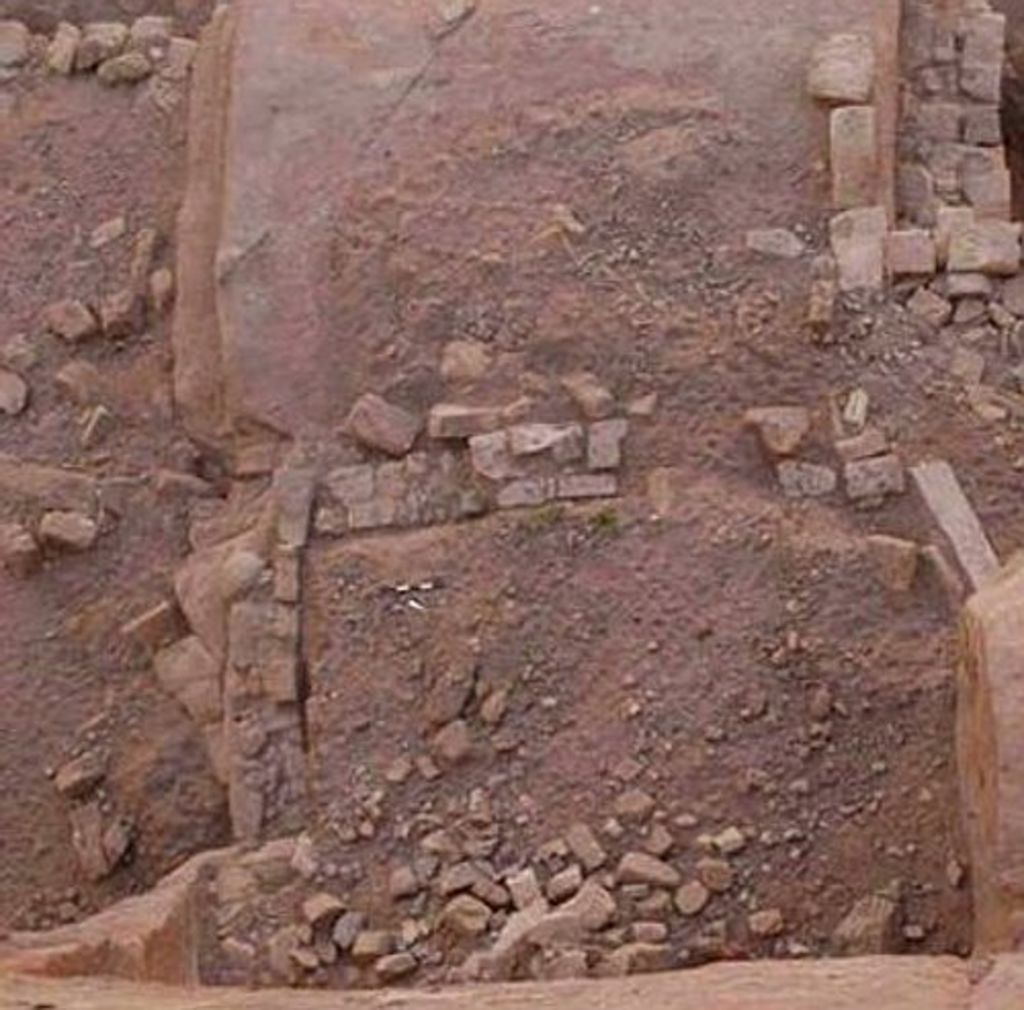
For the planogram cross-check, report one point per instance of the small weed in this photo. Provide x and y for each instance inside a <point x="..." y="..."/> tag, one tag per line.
<point x="607" y="521"/>
<point x="544" y="517"/>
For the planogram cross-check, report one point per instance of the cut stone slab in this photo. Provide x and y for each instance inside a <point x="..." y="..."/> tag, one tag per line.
<point x="854" y="156"/>
<point x="805" y="480"/>
<point x="875" y="477"/>
<point x="987" y="247"/>
<point x="858" y="244"/>
<point x="942" y="494"/>
<point x="381" y="425"/>
<point x="842" y="69"/>
<point x="947" y="221"/>
<point x="604" y="444"/>
<point x="450" y="420"/>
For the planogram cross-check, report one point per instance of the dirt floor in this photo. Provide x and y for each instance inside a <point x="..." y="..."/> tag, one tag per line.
<point x="734" y="657"/>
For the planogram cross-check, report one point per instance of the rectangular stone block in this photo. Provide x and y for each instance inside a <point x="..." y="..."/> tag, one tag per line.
<point x="526" y="492"/>
<point x="911" y="253"/>
<point x="945" y="499"/>
<point x="854" y="156"/>
<point x="604" y="444"/>
<point x="982" y="125"/>
<point x="350" y="485"/>
<point x="987" y="247"/>
<point x="858" y="244"/>
<point x="939" y="121"/>
<point x="450" y="420"/>
<point x="947" y="221"/>
<point x="984" y="38"/>
<point x="982" y="81"/>
<point x="587" y="485"/>
<point x="988" y="191"/>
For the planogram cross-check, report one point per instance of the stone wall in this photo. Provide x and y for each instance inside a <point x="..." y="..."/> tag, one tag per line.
<point x="44" y="15"/>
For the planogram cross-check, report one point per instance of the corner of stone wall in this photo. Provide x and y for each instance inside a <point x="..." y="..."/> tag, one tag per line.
<point x="990" y="755"/>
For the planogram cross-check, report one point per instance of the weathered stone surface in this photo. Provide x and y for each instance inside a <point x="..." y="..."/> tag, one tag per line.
<point x="71" y="320"/>
<point x="842" y="69"/>
<point x="322" y="909"/>
<point x="451" y="420"/>
<point x="491" y="456"/>
<point x="48" y="486"/>
<point x="604" y="444"/>
<point x="586" y="485"/>
<point x="151" y="32"/>
<point x="199" y="366"/>
<point x="886" y="983"/>
<point x="767" y="923"/>
<point x="931" y="307"/>
<point x="382" y="425"/>
<point x="691" y="899"/>
<point x="715" y="874"/>
<point x="101" y="40"/>
<point x="945" y="499"/>
<point x="870" y="442"/>
<point x="874" y="477"/>
<point x="585" y="847"/>
<point x="13" y="393"/>
<point x="524" y="888"/>
<point x="19" y="552"/>
<point x="990" y="699"/>
<point x="188" y="672"/>
<point x="594" y="401"/>
<point x="392" y="967"/>
<point x="14" y="40"/>
<point x="72" y="531"/>
<point x="911" y="253"/>
<point x="858" y="244"/>
<point x="263" y="648"/>
<point x="63" y="47"/>
<point x="781" y="429"/>
<point x="987" y="247"/>
<point x="641" y="868"/>
<point x="210" y="581"/>
<point x="805" y="480"/>
<point x="161" y="290"/>
<point x="465" y="915"/>
<point x="780" y="242"/>
<point x="870" y="927"/>
<point x="563" y="441"/>
<point x="854" y="156"/>
<point x="526" y="492"/>
<point x="633" y="959"/>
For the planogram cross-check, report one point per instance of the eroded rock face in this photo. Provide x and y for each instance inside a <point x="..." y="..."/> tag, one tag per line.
<point x="990" y="713"/>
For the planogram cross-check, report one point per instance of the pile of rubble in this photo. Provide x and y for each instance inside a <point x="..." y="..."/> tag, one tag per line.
<point x="117" y="53"/>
